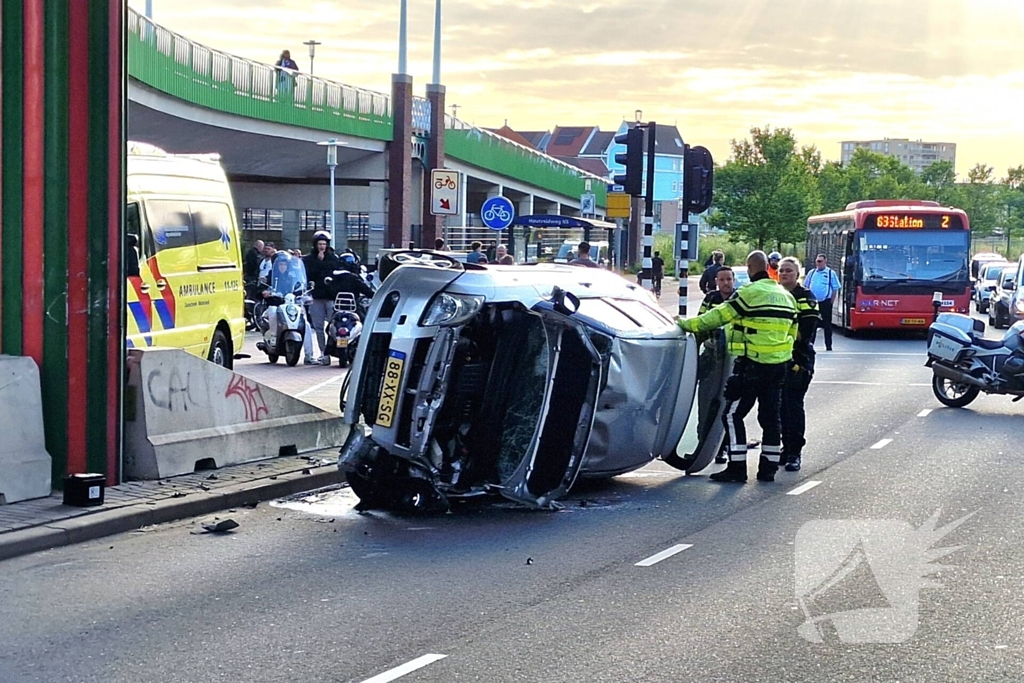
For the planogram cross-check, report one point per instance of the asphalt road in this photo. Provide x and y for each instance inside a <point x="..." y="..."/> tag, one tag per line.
<point x="309" y="590"/>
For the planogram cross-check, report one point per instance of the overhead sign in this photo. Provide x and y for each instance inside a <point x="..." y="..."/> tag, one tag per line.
<point x="588" y="204"/>
<point x="618" y="205"/>
<point x="445" y="190"/>
<point x="497" y="213"/>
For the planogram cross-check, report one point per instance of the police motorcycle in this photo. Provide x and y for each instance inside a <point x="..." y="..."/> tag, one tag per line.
<point x="350" y="307"/>
<point x="965" y="364"/>
<point x="283" y="322"/>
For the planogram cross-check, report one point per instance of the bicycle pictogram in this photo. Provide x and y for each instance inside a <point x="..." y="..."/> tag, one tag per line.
<point x="497" y="213"/>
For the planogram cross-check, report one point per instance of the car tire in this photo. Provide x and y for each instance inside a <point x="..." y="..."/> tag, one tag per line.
<point x="220" y="351"/>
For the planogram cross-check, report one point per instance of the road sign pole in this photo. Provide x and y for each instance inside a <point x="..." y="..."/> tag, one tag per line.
<point x="645" y="273"/>
<point x="682" y="240"/>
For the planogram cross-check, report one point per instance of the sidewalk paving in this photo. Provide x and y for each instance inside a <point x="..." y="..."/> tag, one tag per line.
<point x="45" y="523"/>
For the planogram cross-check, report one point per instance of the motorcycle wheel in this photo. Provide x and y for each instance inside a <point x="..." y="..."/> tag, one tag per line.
<point x="292" y="351"/>
<point x="952" y="394"/>
<point x="272" y="357"/>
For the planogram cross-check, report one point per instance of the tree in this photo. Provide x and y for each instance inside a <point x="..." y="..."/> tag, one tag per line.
<point x="979" y="198"/>
<point x="766" y="191"/>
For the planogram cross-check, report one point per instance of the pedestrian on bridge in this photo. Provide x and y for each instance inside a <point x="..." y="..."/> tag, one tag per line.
<point x="762" y="327"/>
<point x="800" y="369"/>
<point x="286" y="69"/>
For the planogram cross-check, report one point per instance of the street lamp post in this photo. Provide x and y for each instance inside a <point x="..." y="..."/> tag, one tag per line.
<point x="332" y="163"/>
<point x="311" y="44"/>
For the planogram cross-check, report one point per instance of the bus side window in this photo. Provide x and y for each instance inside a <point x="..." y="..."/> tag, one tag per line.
<point x="133" y="240"/>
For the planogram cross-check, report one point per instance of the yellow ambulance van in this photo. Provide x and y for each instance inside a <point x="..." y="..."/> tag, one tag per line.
<point x="183" y="255"/>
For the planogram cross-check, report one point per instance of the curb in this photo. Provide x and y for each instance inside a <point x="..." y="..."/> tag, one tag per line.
<point x="109" y="522"/>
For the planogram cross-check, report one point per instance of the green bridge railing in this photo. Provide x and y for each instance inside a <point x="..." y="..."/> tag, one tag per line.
<point x="173" y="64"/>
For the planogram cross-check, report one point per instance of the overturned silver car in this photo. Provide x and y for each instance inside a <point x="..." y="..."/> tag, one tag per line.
<point x="517" y="380"/>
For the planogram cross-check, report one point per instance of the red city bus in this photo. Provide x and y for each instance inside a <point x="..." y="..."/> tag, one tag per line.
<point x="891" y="256"/>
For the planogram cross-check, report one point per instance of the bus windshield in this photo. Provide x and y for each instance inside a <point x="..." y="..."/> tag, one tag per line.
<point x="906" y="255"/>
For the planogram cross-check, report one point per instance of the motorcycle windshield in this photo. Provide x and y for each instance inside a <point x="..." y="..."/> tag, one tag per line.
<point x="705" y="431"/>
<point x="288" y="276"/>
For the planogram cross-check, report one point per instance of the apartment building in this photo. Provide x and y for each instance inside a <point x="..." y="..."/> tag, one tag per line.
<point x="916" y="154"/>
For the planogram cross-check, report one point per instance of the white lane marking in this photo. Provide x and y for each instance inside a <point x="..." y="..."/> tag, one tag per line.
<point x="406" y="668"/>
<point x="925" y="413"/>
<point x="806" y="486"/>
<point x="317" y="387"/>
<point x="663" y="555"/>
<point x="882" y="444"/>
<point x="866" y="384"/>
<point x="828" y="354"/>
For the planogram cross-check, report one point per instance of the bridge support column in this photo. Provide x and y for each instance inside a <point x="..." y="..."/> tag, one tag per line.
<point x="400" y="163"/>
<point x="63" y="149"/>
<point x="432" y="225"/>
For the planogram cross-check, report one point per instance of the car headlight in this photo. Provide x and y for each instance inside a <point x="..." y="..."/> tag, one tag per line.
<point x="451" y="309"/>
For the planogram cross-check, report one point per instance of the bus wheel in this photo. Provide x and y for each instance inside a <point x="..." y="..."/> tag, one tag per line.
<point x="220" y="350"/>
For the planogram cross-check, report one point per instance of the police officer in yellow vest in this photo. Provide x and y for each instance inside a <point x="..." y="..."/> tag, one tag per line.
<point x="762" y="327"/>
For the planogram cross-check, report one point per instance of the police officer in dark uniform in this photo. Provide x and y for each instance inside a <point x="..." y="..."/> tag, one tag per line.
<point x="801" y="368"/>
<point x="762" y="326"/>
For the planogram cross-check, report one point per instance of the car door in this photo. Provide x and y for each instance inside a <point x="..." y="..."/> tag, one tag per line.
<point x="172" y="270"/>
<point x="575" y="375"/>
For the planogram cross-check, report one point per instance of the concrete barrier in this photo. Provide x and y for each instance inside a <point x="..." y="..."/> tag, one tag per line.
<point x="24" y="463"/>
<point x="190" y="414"/>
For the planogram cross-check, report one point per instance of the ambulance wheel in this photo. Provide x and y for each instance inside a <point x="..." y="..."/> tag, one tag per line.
<point x="292" y="351"/>
<point x="220" y="350"/>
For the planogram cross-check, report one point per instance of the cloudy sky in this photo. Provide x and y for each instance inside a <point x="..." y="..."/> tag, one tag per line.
<point x="938" y="70"/>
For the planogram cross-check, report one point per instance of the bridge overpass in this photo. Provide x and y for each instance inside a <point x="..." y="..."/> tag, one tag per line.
<point x="187" y="97"/>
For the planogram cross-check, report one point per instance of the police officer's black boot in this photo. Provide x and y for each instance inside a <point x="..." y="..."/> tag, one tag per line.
<point x="793" y="463"/>
<point x="734" y="473"/>
<point x="766" y="469"/>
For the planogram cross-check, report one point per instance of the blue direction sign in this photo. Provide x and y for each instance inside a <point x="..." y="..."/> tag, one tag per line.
<point x="497" y="213"/>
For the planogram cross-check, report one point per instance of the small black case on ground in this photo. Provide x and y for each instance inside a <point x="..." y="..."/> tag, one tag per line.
<point x="84" y="490"/>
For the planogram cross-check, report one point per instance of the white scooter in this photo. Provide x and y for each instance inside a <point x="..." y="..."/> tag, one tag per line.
<point x="283" y="322"/>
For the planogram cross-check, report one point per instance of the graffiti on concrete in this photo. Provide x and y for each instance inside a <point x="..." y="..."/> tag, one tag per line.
<point x="251" y="396"/>
<point x="175" y="396"/>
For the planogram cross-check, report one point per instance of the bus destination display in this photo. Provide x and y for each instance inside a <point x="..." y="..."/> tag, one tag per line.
<point x="914" y="221"/>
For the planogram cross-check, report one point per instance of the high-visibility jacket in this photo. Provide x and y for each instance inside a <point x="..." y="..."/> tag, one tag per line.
<point x="761" y="318"/>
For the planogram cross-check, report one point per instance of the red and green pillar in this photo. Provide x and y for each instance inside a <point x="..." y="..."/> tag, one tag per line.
<point x="61" y="200"/>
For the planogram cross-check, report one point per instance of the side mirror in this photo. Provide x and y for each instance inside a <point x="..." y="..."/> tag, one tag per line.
<point x="1010" y="286"/>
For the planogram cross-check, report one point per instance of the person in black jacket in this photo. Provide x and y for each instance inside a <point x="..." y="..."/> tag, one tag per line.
<point x="320" y="264"/>
<point x="799" y="370"/>
<point x="707" y="278"/>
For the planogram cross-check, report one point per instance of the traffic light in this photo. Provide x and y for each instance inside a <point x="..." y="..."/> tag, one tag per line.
<point x="633" y="160"/>
<point x="700" y="178"/>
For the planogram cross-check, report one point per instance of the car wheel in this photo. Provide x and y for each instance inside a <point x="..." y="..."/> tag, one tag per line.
<point x="953" y="394"/>
<point x="220" y="351"/>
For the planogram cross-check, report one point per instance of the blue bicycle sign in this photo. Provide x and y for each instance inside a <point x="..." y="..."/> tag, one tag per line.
<point x="497" y="213"/>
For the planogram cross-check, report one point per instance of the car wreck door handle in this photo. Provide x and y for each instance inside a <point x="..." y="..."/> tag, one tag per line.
<point x="559" y="297"/>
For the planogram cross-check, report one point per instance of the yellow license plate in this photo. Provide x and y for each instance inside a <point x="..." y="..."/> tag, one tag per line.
<point x="342" y="342"/>
<point x="913" y="321"/>
<point x="389" y="390"/>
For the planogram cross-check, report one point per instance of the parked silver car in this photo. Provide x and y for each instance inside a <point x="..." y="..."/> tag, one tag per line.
<point x="516" y="380"/>
<point x="986" y="282"/>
